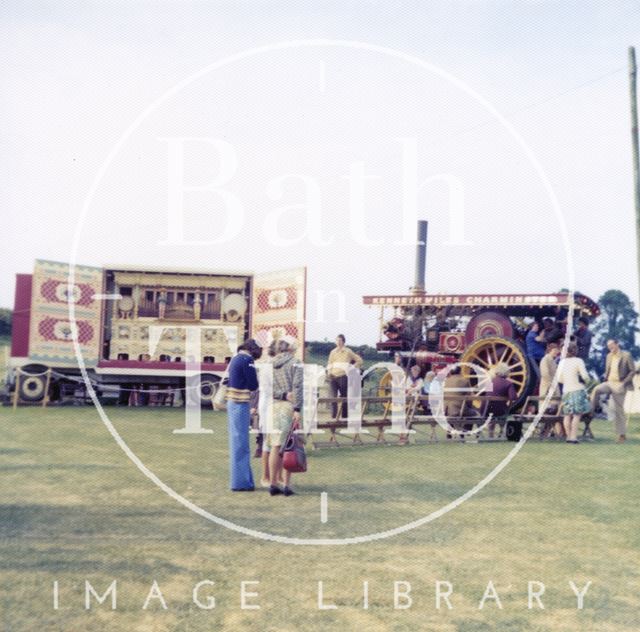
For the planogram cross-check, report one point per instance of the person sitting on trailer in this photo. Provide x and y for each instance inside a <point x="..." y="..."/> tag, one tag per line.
<point x="427" y="383"/>
<point x="412" y="385"/>
<point x="414" y="381"/>
<point x="455" y="382"/>
<point x="501" y="386"/>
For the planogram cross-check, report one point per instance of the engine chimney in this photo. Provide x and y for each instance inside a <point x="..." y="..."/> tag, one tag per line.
<point x="421" y="258"/>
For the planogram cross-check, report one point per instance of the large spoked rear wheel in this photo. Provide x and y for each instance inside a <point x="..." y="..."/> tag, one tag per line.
<point x="487" y="353"/>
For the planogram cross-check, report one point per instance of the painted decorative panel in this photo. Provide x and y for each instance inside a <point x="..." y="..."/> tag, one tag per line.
<point x="51" y="333"/>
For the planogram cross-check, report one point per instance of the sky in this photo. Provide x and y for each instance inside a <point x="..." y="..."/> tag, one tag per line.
<point x="512" y="118"/>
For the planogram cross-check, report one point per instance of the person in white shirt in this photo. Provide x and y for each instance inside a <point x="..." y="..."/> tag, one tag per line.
<point x="414" y="382"/>
<point x="575" y="402"/>
<point x="548" y="368"/>
<point x="413" y="389"/>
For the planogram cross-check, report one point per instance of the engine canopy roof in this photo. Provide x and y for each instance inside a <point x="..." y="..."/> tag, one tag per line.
<point x="512" y="304"/>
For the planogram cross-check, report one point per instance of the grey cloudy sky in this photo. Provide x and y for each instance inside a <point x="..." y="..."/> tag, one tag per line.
<point x="75" y="76"/>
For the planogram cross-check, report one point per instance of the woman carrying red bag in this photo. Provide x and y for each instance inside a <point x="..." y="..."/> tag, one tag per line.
<point x="287" y="395"/>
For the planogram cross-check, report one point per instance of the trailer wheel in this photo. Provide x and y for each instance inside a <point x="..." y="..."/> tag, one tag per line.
<point x="32" y="387"/>
<point x="202" y="388"/>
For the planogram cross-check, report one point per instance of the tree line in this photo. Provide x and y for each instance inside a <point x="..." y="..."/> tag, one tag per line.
<point x="618" y="319"/>
<point x="5" y="321"/>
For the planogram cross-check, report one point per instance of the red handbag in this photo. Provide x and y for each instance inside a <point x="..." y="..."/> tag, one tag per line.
<point x="294" y="457"/>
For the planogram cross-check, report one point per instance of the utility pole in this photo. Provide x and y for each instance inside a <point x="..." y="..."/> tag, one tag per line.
<point x="633" y="72"/>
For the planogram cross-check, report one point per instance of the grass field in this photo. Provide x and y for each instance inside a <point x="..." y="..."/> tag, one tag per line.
<point x="74" y="508"/>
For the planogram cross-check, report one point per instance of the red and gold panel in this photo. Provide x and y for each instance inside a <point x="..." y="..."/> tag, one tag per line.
<point x="280" y="298"/>
<point x="51" y="333"/>
<point x="278" y="306"/>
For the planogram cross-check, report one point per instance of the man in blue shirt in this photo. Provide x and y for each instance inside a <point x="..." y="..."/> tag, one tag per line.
<point x="243" y="380"/>
<point x="535" y="346"/>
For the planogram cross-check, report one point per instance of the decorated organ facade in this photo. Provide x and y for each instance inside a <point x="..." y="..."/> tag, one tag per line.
<point x="217" y="304"/>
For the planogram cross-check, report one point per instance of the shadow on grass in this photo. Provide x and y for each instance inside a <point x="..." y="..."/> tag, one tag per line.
<point x="12" y="451"/>
<point x="56" y="561"/>
<point x="57" y="466"/>
<point x="46" y="520"/>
